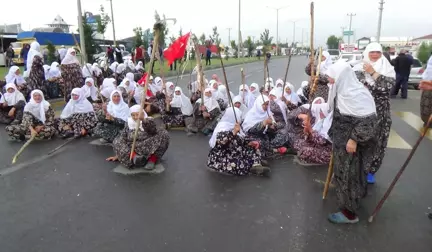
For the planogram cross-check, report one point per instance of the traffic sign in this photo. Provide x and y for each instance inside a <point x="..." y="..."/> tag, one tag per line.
<point x="348" y="33"/>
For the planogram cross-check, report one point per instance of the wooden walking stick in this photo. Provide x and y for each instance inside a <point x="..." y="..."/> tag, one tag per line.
<point x="227" y="86"/>
<point x="402" y="169"/>
<point x="329" y="177"/>
<point x="286" y="74"/>
<point x="157" y="28"/>
<point x="312" y="50"/>
<point x="14" y="159"/>
<point x="243" y="78"/>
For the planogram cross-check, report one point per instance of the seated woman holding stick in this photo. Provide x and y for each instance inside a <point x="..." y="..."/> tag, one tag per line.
<point x="206" y="112"/>
<point x="180" y="110"/>
<point x="112" y="118"/>
<point x="11" y="105"/>
<point x="151" y="142"/>
<point x="78" y="117"/>
<point x="38" y="120"/>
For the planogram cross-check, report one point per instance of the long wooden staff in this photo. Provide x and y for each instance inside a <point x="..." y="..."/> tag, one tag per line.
<point x="14" y="159"/>
<point x="243" y="78"/>
<point x="286" y="73"/>
<point x="227" y="87"/>
<point x="199" y="65"/>
<point x="315" y="81"/>
<point x="156" y="28"/>
<point x="402" y="169"/>
<point x="312" y="50"/>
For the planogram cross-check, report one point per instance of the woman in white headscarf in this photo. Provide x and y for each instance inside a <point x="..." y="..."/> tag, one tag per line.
<point x="54" y="81"/>
<point x="278" y="108"/>
<point x="151" y="142"/>
<point x="46" y="71"/>
<point x="140" y="67"/>
<point x="180" y="109"/>
<point x="247" y="97"/>
<point x="316" y="147"/>
<point x="108" y="85"/>
<point x="12" y="104"/>
<point x="238" y="103"/>
<point x="71" y="73"/>
<point x="300" y="92"/>
<point x="326" y="62"/>
<point x="78" y="117"/>
<point x="14" y="76"/>
<point x="38" y="120"/>
<point x="290" y="97"/>
<point x="230" y="152"/>
<point x="36" y="74"/>
<point x="89" y="90"/>
<point x="353" y="133"/>
<point x="260" y="125"/>
<point x="98" y="73"/>
<point x="268" y="86"/>
<point x="222" y="97"/>
<point x="206" y="111"/>
<point x="120" y="72"/>
<point x="254" y="90"/>
<point x="87" y="70"/>
<point x="130" y="66"/>
<point x="112" y="118"/>
<point x="111" y="71"/>
<point x="379" y="76"/>
<point x="321" y="87"/>
<point x="426" y="97"/>
<point x="129" y="86"/>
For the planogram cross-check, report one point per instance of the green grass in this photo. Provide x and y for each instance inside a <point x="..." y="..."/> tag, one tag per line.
<point x="5" y="70"/>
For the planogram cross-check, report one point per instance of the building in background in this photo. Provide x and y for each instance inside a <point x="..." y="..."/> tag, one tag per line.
<point x="59" y="22"/>
<point x="427" y="39"/>
<point x="92" y="20"/>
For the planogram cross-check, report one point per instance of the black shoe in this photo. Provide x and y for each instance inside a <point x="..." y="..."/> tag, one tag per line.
<point x="260" y="170"/>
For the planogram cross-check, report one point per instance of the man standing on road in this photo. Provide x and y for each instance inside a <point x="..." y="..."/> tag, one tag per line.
<point x="10" y="54"/>
<point x="23" y="55"/>
<point x="139" y="55"/>
<point x="208" y="56"/>
<point x="402" y="66"/>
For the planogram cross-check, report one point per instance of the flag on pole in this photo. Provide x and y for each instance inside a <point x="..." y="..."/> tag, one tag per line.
<point x="177" y="49"/>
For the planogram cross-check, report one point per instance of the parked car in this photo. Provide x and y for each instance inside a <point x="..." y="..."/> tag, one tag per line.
<point x="351" y="57"/>
<point x="334" y="54"/>
<point x="416" y="74"/>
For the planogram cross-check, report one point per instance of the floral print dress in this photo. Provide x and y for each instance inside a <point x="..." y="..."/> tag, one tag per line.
<point x="381" y="93"/>
<point x="426" y="105"/>
<point x="262" y="135"/>
<point x="277" y="114"/>
<point x="232" y="155"/>
<point x="36" y="79"/>
<point x="107" y="129"/>
<point x="76" y="122"/>
<point x="313" y="150"/>
<point x="321" y="90"/>
<point x="350" y="170"/>
<point x="152" y="140"/>
<point x="198" y="122"/>
<point x="17" y="118"/>
<point x="174" y="117"/>
<point x="22" y="131"/>
<point x="72" y="77"/>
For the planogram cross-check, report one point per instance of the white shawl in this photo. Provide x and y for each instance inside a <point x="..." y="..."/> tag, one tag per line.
<point x="90" y="91"/>
<point x="256" y="114"/>
<point x="131" y="123"/>
<point x="38" y="110"/>
<point x="12" y="77"/>
<point x="226" y="123"/>
<point x="69" y="58"/>
<point x="79" y="106"/>
<point x="120" y="110"/>
<point x="12" y="98"/>
<point x="34" y="51"/>
<point x="183" y="102"/>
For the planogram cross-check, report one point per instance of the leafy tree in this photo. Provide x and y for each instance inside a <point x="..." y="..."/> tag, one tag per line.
<point x="266" y="40"/>
<point x="215" y="37"/>
<point x="332" y="42"/>
<point x="90" y="45"/>
<point x="51" y="53"/>
<point x="147" y="37"/>
<point x="424" y="52"/>
<point x="164" y="32"/>
<point x="202" y="39"/>
<point x="180" y="32"/>
<point x="102" y="21"/>
<point x="138" y="39"/>
<point x="249" y="45"/>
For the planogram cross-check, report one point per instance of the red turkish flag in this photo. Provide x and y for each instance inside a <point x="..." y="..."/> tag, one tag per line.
<point x="142" y="83"/>
<point x="177" y="49"/>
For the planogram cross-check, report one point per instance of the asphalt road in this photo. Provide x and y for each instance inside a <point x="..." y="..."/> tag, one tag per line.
<point x="73" y="201"/>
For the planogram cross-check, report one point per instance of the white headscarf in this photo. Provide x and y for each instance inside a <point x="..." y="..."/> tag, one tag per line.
<point x="183" y="102"/>
<point x="427" y="74"/>
<point x="353" y="98"/>
<point x="12" y="98"/>
<point x="54" y="71"/>
<point x="69" y="58"/>
<point x="226" y="123"/>
<point x="120" y="68"/>
<point x="12" y="77"/>
<point x="87" y="70"/>
<point x="256" y="92"/>
<point x="131" y="123"/>
<point x="139" y="66"/>
<point x="279" y="102"/>
<point x="128" y="79"/>
<point x="209" y="102"/>
<point x="80" y="106"/>
<point x="381" y="66"/>
<point x="269" y="84"/>
<point x="34" y="51"/>
<point x="293" y="97"/>
<point x="46" y="71"/>
<point x="323" y="125"/>
<point x="243" y="108"/>
<point x="108" y="87"/>
<point x="326" y="63"/>
<point x="256" y="114"/>
<point x="223" y="94"/>
<point x="279" y="82"/>
<point x="156" y="86"/>
<point x="120" y="110"/>
<point x="130" y="64"/>
<point x="37" y="109"/>
<point x="249" y="99"/>
<point x="300" y="90"/>
<point x="96" y="69"/>
<point x="114" y="66"/>
<point x="90" y="91"/>
<point x="168" y="91"/>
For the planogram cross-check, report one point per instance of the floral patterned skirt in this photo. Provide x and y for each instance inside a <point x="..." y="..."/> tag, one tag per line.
<point x="77" y="122"/>
<point x="426" y="105"/>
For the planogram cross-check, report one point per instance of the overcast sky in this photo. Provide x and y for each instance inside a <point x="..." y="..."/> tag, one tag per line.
<point x="400" y="18"/>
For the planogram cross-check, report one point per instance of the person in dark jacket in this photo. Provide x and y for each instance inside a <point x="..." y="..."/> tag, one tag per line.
<point x="402" y="66"/>
<point x="208" y="56"/>
<point x="386" y="54"/>
<point x="110" y="54"/>
<point x="118" y="54"/>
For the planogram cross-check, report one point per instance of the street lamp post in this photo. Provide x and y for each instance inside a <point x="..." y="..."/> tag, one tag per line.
<point x="294" y="22"/>
<point x="277" y="26"/>
<point x="81" y="33"/>
<point x="112" y="21"/>
<point x="240" y="51"/>
<point x="351" y="15"/>
<point x="381" y="8"/>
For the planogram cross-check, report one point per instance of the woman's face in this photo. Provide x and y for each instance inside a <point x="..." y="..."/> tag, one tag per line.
<point x="73" y="53"/>
<point x="75" y="97"/>
<point x="135" y="116"/>
<point x="208" y="94"/>
<point x="323" y="58"/>
<point x="116" y="98"/>
<point x="178" y="92"/>
<point x="265" y="105"/>
<point x="237" y="105"/>
<point x="331" y="80"/>
<point x="127" y="83"/>
<point x="215" y="85"/>
<point x="374" y="56"/>
<point x="252" y="88"/>
<point x="10" y="90"/>
<point x="88" y="83"/>
<point x="318" y="101"/>
<point x="171" y="87"/>
<point x="243" y="90"/>
<point x="272" y="97"/>
<point x="18" y="72"/>
<point x="288" y="90"/>
<point x="37" y="97"/>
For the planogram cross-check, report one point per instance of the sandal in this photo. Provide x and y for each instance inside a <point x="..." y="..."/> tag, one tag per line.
<point x="340" y="218"/>
<point x="371" y="178"/>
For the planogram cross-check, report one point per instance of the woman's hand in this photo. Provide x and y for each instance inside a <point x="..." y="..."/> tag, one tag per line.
<point x="268" y="121"/>
<point x="236" y="128"/>
<point x="368" y="68"/>
<point x="33" y="132"/>
<point x="11" y="112"/>
<point x="351" y="146"/>
<point x="206" y="114"/>
<point x="425" y="85"/>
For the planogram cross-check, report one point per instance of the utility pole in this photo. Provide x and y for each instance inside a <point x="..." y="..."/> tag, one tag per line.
<point x="293" y="44"/>
<point x="343" y="29"/>
<point x="381" y="8"/>
<point x="240" y="52"/>
<point x="277" y="26"/>
<point x="229" y="36"/>
<point x="350" y="23"/>
<point x="81" y="33"/>
<point x="112" y="21"/>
